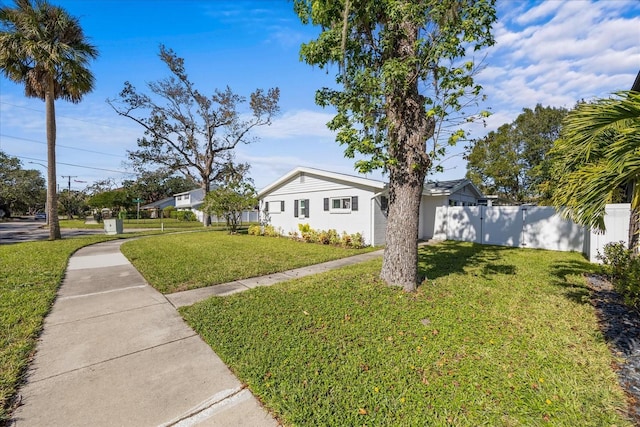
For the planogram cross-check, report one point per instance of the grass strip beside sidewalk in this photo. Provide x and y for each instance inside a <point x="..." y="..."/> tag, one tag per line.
<point x="180" y="262"/>
<point x="496" y="336"/>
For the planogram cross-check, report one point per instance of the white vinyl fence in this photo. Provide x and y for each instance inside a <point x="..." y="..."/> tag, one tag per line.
<point x="539" y="227"/>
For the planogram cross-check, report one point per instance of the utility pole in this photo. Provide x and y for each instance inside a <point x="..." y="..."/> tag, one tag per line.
<point x="69" y="176"/>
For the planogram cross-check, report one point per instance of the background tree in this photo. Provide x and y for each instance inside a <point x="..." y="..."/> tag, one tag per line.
<point x="512" y="161"/>
<point x="21" y="190"/>
<point x="100" y="186"/>
<point x="114" y="200"/>
<point x="230" y="199"/>
<point x="152" y="186"/>
<point x="404" y="80"/>
<point x="72" y="203"/>
<point x="44" y="48"/>
<point x="188" y="132"/>
<point x="596" y="156"/>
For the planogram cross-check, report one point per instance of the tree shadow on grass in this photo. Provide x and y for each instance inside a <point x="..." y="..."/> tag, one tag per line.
<point x="460" y="257"/>
<point x="578" y="293"/>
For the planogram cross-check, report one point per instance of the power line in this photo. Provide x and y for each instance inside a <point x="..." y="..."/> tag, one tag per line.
<point x="77" y="166"/>
<point x="62" y="146"/>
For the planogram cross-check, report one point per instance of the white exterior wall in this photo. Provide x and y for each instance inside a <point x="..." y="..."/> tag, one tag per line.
<point x="315" y="190"/>
<point x="379" y="223"/>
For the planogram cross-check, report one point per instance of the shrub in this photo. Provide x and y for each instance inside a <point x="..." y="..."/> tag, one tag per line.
<point x="168" y="211"/>
<point x="304" y="228"/>
<point x="345" y="240"/>
<point x="334" y="237"/>
<point x="323" y="237"/>
<point x="357" y="241"/>
<point x="624" y="271"/>
<point x="185" y="216"/>
<point x="270" y="231"/>
<point x="254" y="230"/>
<point x="294" y="235"/>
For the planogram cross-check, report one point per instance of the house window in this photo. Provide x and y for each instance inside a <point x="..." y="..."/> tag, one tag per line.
<point x="275" y="206"/>
<point x="341" y="204"/>
<point x="301" y="208"/>
<point x="178" y="198"/>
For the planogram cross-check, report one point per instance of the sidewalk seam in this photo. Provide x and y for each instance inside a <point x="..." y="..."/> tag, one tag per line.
<point x="106" y="314"/>
<point x="114" y="358"/>
<point x="101" y="293"/>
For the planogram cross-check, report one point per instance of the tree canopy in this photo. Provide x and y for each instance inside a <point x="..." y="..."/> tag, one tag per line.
<point x="21" y="190"/>
<point x="230" y="199"/>
<point x="152" y="186"/>
<point x="188" y="132"/>
<point x="44" y="48"/>
<point x="512" y="161"/>
<point x="405" y="77"/>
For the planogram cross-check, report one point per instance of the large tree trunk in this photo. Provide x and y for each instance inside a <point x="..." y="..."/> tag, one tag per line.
<point x="52" y="194"/>
<point x="409" y="130"/>
<point x="206" y="218"/>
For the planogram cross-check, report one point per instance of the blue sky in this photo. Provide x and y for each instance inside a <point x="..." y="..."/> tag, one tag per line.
<point x="553" y="53"/>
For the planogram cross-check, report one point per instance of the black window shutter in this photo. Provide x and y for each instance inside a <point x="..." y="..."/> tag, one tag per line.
<point x="306" y="208"/>
<point x="384" y="203"/>
<point x="282" y="206"/>
<point x="326" y="203"/>
<point x="295" y="208"/>
<point x="266" y="206"/>
<point x="354" y="203"/>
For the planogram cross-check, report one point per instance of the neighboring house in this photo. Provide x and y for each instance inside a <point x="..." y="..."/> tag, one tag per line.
<point x="191" y="201"/>
<point x="329" y="200"/>
<point x="156" y="207"/>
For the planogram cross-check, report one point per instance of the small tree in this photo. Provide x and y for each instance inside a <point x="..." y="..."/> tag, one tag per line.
<point x="230" y="200"/>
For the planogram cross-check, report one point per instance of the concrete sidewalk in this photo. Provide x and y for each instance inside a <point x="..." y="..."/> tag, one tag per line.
<point x="114" y="352"/>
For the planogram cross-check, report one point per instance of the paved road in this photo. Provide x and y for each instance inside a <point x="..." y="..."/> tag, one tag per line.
<point x="27" y="230"/>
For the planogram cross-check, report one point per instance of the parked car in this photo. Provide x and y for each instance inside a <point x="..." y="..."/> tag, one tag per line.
<point x="40" y="215"/>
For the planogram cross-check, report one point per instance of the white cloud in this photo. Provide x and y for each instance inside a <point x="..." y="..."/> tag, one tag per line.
<point x="541" y="11"/>
<point x="296" y="124"/>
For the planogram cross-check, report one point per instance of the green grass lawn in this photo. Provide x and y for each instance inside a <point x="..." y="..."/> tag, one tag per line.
<point x="187" y="261"/>
<point x="496" y="337"/>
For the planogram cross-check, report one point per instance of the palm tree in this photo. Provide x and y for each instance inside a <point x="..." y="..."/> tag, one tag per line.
<point x="599" y="154"/>
<point x="44" y="48"/>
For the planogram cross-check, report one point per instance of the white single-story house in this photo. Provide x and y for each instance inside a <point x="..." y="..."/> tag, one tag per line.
<point x="329" y="200"/>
